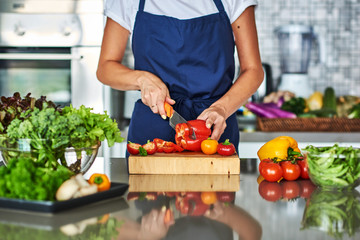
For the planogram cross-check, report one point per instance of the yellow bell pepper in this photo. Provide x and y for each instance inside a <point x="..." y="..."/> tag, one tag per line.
<point x="280" y="148"/>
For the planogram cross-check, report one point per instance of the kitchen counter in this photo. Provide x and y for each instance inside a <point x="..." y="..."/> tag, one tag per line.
<point x="250" y="142"/>
<point x="255" y="209"/>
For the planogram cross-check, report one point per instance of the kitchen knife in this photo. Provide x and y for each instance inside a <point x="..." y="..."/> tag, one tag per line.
<point x="176" y="118"/>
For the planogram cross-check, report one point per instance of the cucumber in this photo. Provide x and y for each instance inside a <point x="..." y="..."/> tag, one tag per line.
<point x="329" y="99"/>
<point x="322" y="113"/>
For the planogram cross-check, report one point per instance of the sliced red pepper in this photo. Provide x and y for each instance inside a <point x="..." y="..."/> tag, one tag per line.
<point x="133" y="148"/>
<point x="166" y="146"/>
<point x="184" y="132"/>
<point x="150" y="147"/>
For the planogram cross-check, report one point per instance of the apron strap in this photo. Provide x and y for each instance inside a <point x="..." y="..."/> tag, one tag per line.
<point x="141" y="5"/>
<point x="219" y="5"/>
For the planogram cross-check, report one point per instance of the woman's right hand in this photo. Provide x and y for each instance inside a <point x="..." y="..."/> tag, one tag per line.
<point x="154" y="93"/>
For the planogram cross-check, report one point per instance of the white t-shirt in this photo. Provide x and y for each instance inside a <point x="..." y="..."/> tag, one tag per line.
<point x="124" y="11"/>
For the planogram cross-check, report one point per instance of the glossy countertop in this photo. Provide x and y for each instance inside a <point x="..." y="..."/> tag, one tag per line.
<point x="247" y="210"/>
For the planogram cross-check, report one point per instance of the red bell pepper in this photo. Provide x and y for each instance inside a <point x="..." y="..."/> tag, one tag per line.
<point x="226" y="148"/>
<point x="150" y="147"/>
<point x="166" y="146"/>
<point x="184" y="132"/>
<point x="133" y="148"/>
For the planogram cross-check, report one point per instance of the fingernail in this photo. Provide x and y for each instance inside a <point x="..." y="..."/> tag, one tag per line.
<point x="208" y="125"/>
<point x="163" y="209"/>
<point x="163" y="117"/>
<point x="207" y="213"/>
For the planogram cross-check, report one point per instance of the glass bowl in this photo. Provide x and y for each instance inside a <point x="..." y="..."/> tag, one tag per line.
<point x="49" y="152"/>
<point x="334" y="168"/>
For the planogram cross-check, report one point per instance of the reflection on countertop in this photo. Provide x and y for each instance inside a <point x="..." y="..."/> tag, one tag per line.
<point x="251" y="207"/>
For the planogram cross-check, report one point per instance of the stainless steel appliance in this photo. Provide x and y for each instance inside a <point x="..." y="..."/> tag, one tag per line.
<point x="51" y="48"/>
<point x="295" y="46"/>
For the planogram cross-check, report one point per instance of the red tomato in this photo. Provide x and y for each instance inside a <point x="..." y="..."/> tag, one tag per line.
<point x="133" y="148"/>
<point x="304" y="170"/>
<point x="226" y="148"/>
<point x="290" y="189"/>
<point x="291" y="171"/>
<point x="263" y="162"/>
<point x="270" y="191"/>
<point x="306" y="188"/>
<point x="271" y="171"/>
<point x="150" y="147"/>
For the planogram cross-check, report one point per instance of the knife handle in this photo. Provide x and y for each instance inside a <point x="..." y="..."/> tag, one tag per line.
<point x="168" y="109"/>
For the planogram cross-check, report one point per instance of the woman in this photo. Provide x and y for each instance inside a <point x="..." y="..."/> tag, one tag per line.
<point x="184" y="55"/>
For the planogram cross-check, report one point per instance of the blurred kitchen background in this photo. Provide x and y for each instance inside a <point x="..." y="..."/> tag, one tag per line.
<point x="337" y="27"/>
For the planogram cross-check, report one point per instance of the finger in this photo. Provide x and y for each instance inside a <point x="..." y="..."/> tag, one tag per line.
<point x="215" y="134"/>
<point x="218" y="130"/>
<point x="154" y="108"/>
<point x="162" y="111"/>
<point x="169" y="100"/>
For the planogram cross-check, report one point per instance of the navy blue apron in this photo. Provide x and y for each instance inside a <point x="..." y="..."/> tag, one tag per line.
<point x="195" y="59"/>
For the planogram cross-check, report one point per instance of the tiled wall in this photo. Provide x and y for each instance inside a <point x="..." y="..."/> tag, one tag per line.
<point x="336" y="22"/>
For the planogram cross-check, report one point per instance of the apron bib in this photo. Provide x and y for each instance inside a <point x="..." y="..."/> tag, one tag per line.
<point x="195" y="59"/>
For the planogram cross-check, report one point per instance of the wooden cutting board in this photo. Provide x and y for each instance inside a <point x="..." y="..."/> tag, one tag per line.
<point x="183" y="182"/>
<point x="184" y="163"/>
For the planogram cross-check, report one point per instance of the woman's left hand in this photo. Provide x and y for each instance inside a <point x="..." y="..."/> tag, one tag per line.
<point x="214" y="117"/>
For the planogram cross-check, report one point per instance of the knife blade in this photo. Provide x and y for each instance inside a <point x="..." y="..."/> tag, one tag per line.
<point x="175" y="118"/>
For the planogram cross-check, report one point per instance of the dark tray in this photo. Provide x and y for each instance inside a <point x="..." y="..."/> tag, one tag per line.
<point x="50" y="221"/>
<point x="117" y="189"/>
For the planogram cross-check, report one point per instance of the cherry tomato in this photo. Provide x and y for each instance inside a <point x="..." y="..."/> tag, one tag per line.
<point x="208" y="197"/>
<point x="304" y="170"/>
<point x="290" y="189"/>
<point x="271" y="171"/>
<point x="209" y="146"/>
<point x="270" y="191"/>
<point x="133" y="148"/>
<point x="306" y="188"/>
<point x="291" y="171"/>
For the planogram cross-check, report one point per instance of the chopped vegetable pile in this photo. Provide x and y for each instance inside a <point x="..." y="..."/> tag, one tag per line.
<point x="333" y="166"/>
